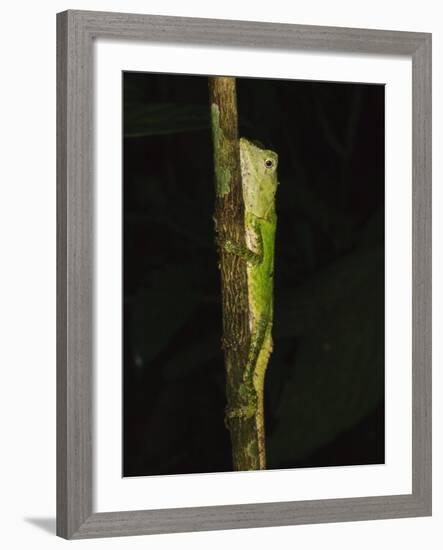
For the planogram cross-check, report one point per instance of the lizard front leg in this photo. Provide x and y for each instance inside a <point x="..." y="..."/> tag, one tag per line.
<point x="242" y="251"/>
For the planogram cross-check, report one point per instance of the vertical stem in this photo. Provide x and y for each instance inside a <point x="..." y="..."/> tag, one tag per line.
<point x="230" y="225"/>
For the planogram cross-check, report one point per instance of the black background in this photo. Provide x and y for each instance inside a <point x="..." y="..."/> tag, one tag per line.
<point x="325" y="380"/>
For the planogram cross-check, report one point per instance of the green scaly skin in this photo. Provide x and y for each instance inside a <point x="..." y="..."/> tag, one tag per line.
<point x="259" y="184"/>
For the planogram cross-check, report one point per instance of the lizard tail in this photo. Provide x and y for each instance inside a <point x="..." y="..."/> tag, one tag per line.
<point x="259" y="384"/>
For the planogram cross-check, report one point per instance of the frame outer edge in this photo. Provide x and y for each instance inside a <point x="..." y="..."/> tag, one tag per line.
<point x="248" y="33"/>
<point x="422" y="274"/>
<point x="74" y="276"/>
<point x="62" y="457"/>
<point x="276" y="514"/>
<point x="75" y="33"/>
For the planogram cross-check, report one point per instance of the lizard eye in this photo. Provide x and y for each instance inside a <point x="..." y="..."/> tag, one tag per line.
<point x="269" y="163"/>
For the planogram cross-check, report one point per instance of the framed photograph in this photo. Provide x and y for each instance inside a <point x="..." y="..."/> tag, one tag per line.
<point x="243" y="274"/>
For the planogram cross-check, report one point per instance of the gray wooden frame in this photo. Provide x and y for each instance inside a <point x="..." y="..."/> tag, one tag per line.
<point x="76" y="31"/>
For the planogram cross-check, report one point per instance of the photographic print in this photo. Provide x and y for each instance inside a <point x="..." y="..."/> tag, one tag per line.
<point x="253" y="274"/>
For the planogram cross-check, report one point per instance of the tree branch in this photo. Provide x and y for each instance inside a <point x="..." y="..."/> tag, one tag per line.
<point x="230" y="226"/>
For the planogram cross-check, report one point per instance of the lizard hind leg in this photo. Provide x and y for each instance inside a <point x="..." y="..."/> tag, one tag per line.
<point x="246" y="402"/>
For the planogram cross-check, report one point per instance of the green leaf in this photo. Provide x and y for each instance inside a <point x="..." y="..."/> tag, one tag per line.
<point x="159" y="311"/>
<point x="194" y="356"/>
<point x="153" y="119"/>
<point x="336" y="377"/>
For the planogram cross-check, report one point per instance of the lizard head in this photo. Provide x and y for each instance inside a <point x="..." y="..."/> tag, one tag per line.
<point x="259" y="178"/>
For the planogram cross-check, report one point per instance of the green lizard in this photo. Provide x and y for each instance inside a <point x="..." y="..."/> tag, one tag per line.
<point x="259" y="185"/>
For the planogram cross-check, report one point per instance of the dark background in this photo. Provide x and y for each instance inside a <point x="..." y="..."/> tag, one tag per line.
<point x="325" y="379"/>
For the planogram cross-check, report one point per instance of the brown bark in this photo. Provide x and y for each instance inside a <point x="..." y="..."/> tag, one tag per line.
<point x="229" y="225"/>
